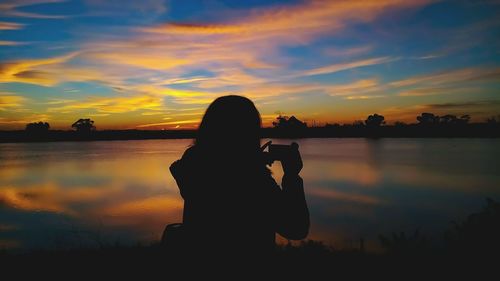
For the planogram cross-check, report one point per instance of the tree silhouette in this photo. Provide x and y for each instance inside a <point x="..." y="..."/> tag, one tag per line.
<point x="427" y="119"/>
<point x="358" y="123"/>
<point x="453" y="120"/>
<point x="374" y="121"/>
<point x="84" y="125"/>
<point x="493" y="120"/>
<point x="464" y="119"/>
<point x="400" y="124"/>
<point x="37" y="127"/>
<point x="292" y="123"/>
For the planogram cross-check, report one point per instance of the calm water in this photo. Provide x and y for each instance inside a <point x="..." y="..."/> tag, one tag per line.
<point x="62" y="195"/>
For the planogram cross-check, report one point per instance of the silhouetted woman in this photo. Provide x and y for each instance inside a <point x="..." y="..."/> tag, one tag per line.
<point x="232" y="204"/>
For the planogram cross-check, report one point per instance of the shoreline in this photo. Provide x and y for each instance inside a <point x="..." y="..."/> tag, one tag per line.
<point x="479" y="130"/>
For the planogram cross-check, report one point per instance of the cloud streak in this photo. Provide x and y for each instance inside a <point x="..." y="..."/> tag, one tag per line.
<point x="10" y="25"/>
<point x="346" y="66"/>
<point x="10" y="8"/>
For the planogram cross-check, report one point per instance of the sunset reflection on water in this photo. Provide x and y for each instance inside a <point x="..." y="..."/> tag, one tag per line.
<point x="71" y="194"/>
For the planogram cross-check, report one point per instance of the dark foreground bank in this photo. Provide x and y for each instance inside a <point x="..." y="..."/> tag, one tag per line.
<point x="470" y="247"/>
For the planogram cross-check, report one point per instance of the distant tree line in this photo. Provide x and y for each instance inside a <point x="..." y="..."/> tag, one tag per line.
<point x="374" y="126"/>
<point x="376" y="120"/>
<point x="293" y="123"/>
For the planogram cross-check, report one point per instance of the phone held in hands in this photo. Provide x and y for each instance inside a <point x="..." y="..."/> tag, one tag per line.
<point x="277" y="152"/>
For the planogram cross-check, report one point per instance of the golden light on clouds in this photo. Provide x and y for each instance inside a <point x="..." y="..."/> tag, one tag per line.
<point x="8" y="101"/>
<point x="309" y="58"/>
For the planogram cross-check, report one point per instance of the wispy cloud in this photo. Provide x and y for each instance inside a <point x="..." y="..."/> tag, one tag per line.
<point x="347" y="52"/>
<point x="10" y="25"/>
<point x="12" y="43"/>
<point x="119" y="104"/>
<point x="27" y="71"/>
<point x="463" y="105"/>
<point x="124" y="8"/>
<point x="8" y="100"/>
<point x="355" y="87"/>
<point x="451" y="76"/>
<point x="13" y="120"/>
<point x="10" y="8"/>
<point x="363" y="97"/>
<point x="194" y="28"/>
<point x="431" y="91"/>
<point x="192" y="122"/>
<point x="345" y="66"/>
<point x="55" y="70"/>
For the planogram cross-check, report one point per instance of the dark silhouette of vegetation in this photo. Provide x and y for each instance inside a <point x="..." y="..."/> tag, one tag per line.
<point x="427" y="125"/>
<point x="37" y="127"/>
<point x="290" y="127"/>
<point x="402" y="244"/>
<point x="84" y="125"/>
<point x="289" y="123"/>
<point x="469" y="246"/>
<point x="478" y="234"/>
<point x="37" y="130"/>
<point x="374" y="121"/>
<point x="428" y="119"/>
<point x="493" y="120"/>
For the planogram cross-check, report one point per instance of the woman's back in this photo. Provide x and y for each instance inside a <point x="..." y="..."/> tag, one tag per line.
<point x="231" y="205"/>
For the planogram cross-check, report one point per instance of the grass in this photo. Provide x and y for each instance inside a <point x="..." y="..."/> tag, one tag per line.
<point x="472" y="244"/>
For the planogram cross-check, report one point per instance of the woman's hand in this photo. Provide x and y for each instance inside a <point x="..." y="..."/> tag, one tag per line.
<point x="292" y="162"/>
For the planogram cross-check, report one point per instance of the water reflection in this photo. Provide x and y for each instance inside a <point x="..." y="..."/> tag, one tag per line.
<point x="73" y="194"/>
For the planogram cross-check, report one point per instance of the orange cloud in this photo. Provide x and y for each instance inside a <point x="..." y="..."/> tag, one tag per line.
<point x="192" y="122"/>
<point x="149" y="60"/>
<point x="194" y="28"/>
<point x="10" y="25"/>
<point x="21" y="121"/>
<point x="119" y="104"/>
<point x="28" y="71"/>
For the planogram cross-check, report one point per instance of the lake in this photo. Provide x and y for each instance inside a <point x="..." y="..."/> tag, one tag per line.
<point x="73" y="194"/>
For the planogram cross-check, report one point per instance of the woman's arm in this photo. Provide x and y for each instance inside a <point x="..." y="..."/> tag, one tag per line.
<point x="293" y="214"/>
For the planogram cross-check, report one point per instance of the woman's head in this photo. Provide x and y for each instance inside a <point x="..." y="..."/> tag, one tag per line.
<point x="231" y="123"/>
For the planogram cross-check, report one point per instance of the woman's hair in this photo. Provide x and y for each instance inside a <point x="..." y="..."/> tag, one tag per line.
<point x="230" y="122"/>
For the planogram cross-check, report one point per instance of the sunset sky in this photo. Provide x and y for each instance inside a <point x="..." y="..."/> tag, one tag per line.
<point x="155" y="64"/>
